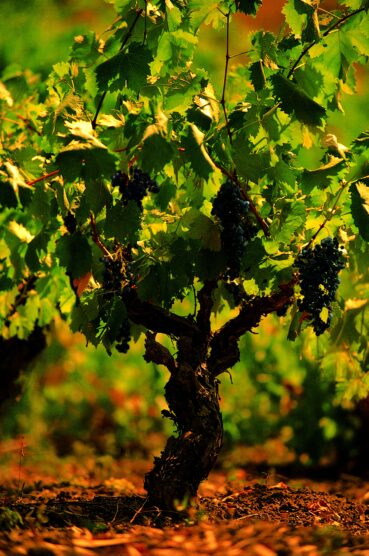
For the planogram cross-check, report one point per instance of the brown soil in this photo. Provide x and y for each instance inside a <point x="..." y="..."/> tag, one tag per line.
<point x="236" y="513"/>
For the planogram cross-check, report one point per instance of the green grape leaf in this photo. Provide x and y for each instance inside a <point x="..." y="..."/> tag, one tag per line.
<point x="117" y="313"/>
<point x="361" y="142"/>
<point x="356" y="4"/>
<point x="125" y="69"/>
<point x="74" y="252"/>
<point x="40" y="204"/>
<point x="284" y="176"/>
<point x="340" y="49"/>
<point x="156" y="152"/>
<point x="310" y="79"/>
<point x="182" y="262"/>
<point x="85" y="316"/>
<point x="257" y="75"/>
<point x="172" y="47"/>
<point x="294" y="101"/>
<point x="96" y="196"/>
<point x="209" y="267"/>
<point x="195" y="152"/>
<point x="249" y="7"/>
<point x="174" y="16"/>
<point x="295" y="16"/>
<point x="83" y="161"/>
<point x="198" y="226"/>
<point x="322" y="176"/>
<point x="252" y="166"/>
<point x="245" y="119"/>
<point x="85" y="48"/>
<point x="166" y="194"/>
<point x="292" y="217"/>
<point x="35" y="250"/>
<point x="360" y="207"/>
<point x="264" y="43"/>
<point x="123" y="223"/>
<point x="162" y="284"/>
<point x="205" y="12"/>
<point x="302" y="18"/>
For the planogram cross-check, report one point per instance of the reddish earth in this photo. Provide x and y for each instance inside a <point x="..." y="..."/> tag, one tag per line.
<point x="86" y="509"/>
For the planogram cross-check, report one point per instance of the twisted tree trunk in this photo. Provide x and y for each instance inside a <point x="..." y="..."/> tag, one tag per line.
<point x="187" y="459"/>
<point x="192" y="390"/>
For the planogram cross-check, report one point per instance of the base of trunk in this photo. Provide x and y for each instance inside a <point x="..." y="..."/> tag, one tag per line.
<point x="187" y="459"/>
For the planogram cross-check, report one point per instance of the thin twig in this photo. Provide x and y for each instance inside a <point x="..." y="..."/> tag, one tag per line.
<point x="222" y="100"/>
<point x="116" y="512"/>
<point x="240" y="53"/>
<point x="96" y="237"/>
<point x="45" y="177"/>
<point x="139" y="510"/>
<point x="99" y="106"/>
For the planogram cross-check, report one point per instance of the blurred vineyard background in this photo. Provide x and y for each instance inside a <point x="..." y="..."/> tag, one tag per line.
<point x="283" y="402"/>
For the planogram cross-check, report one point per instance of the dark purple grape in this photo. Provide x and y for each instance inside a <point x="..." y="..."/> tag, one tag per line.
<point x="318" y="273"/>
<point x="135" y="186"/>
<point x="237" y="227"/>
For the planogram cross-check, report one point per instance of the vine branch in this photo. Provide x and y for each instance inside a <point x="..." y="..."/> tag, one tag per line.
<point x="224" y="345"/>
<point x="158" y="354"/>
<point x="159" y="320"/>
<point x="96" y="237"/>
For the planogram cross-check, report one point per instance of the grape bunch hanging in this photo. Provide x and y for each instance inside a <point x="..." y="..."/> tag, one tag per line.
<point x="118" y="278"/>
<point x="134" y="187"/>
<point x="236" y="226"/>
<point x="318" y="275"/>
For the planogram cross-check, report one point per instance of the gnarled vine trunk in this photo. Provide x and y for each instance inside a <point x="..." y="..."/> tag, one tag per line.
<point x="192" y="390"/>
<point x="187" y="459"/>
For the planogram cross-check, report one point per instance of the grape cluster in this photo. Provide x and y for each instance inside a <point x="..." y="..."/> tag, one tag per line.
<point x="135" y="186"/>
<point x="113" y="274"/>
<point x="119" y="278"/>
<point x="237" y="227"/>
<point x="123" y="337"/>
<point x="318" y="270"/>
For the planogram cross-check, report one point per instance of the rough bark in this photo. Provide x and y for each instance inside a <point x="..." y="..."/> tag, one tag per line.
<point x="189" y="457"/>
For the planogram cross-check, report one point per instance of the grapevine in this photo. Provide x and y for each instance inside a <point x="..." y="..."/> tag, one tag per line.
<point x="239" y="192"/>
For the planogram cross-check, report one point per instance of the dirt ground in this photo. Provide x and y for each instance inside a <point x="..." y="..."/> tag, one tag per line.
<point x="82" y="509"/>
